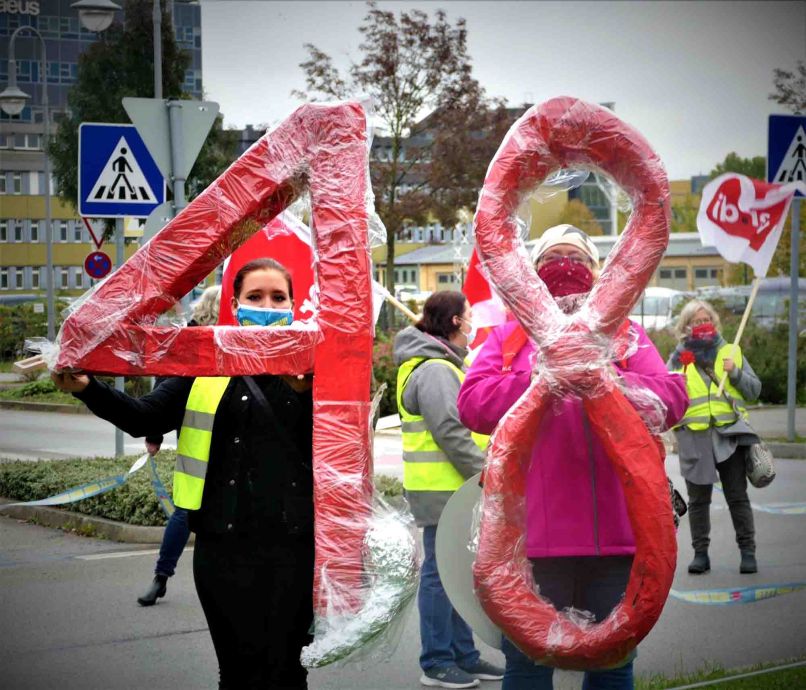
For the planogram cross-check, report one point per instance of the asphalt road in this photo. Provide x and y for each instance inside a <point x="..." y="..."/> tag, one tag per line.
<point x="68" y="615"/>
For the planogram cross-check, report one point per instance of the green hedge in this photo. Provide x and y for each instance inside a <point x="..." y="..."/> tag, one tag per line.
<point x="134" y="502"/>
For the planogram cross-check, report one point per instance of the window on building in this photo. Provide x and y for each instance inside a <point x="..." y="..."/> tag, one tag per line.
<point x="78" y="235"/>
<point x="35" y="282"/>
<point x="33" y="183"/>
<point x="79" y="278"/>
<point x="3" y="279"/>
<point x="4" y="141"/>
<point x="444" y="278"/>
<point x="49" y="25"/>
<point x="68" y="27"/>
<point x="53" y="72"/>
<point x="680" y="273"/>
<point x="17" y="230"/>
<point x="62" y="231"/>
<point x="16" y="183"/>
<point x="3" y="230"/>
<point x="2" y="182"/>
<point x="18" y="278"/>
<point x="34" y="231"/>
<point x="64" y="278"/>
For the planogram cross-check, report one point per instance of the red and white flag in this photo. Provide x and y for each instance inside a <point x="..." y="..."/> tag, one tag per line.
<point x="743" y="218"/>
<point x="488" y="309"/>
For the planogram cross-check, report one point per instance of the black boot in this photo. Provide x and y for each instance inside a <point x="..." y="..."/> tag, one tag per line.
<point x="748" y="564"/>
<point x="156" y="590"/>
<point x="700" y="563"/>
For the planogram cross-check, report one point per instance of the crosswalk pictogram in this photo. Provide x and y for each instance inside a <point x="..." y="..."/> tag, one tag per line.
<point x="122" y="179"/>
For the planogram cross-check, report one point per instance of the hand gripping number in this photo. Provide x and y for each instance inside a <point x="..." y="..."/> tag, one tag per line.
<point x="563" y="133"/>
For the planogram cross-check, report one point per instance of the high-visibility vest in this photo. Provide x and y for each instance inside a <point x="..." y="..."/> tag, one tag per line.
<point x="705" y="408"/>
<point x="195" y="437"/>
<point x="425" y="465"/>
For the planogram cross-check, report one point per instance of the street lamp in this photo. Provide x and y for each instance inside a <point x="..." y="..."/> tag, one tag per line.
<point x="12" y="101"/>
<point x="96" y="15"/>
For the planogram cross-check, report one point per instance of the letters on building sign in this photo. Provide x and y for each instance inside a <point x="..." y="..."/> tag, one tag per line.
<point x="19" y="6"/>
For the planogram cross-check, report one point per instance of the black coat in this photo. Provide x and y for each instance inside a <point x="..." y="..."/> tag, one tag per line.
<point x="259" y="475"/>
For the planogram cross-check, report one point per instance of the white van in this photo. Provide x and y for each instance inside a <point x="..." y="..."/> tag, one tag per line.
<point x="657" y="308"/>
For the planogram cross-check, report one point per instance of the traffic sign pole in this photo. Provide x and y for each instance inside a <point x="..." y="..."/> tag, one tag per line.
<point x="119" y="380"/>
<point x="792" y="374"/>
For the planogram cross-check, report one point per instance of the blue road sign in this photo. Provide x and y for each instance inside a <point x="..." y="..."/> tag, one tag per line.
<point x="786" y="149"/>
<point x="117" y="177"/>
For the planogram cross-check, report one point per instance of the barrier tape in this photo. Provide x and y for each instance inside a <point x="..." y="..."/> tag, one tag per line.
<point x="101" y="486"/>
<point x="163" y="498"/>
<point x="735" y="595"/>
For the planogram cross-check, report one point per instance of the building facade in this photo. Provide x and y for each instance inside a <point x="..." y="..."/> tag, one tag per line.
<point x="22" y="178"/>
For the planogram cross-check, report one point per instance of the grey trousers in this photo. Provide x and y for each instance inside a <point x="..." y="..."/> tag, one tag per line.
<point x="734" y="484"/>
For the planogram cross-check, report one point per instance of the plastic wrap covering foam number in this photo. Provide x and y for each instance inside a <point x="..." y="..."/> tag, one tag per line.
<point x="574" y="355"/>
<point x="321" y="149"/>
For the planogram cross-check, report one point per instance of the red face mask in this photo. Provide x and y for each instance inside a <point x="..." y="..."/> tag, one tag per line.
<point x="704" y="331"/>
<point x="565" y="277"/>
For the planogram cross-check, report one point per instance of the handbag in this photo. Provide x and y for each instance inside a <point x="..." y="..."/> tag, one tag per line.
<point x="758" y="461"/>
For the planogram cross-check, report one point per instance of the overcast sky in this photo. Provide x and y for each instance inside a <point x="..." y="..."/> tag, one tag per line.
<point x="693" y="77"/>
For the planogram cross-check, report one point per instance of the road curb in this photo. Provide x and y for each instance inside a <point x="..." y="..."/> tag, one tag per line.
<point x="43" y="407"/>
<point x="85" y="525"/>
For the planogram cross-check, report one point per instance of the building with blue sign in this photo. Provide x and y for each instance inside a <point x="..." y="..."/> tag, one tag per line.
<point x="22" y="183"/>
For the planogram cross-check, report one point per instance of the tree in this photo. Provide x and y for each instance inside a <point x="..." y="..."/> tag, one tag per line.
<point x="755" y="167"/>
<point x="684" y="214"/>
<point x="579" y="215"/>
<point x="411" y="67"/>
<point x="121" y="64"/>
<point x="790" y="88"/>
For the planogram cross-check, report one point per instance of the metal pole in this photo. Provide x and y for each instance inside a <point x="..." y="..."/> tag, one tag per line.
<point x="157" y="49"/>
<point x="119" y="380"/>
<point x="792" y="374"/>
<point x="176" y="136"/>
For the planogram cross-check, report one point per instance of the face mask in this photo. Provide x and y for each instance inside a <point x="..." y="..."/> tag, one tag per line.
<point x="565" y="277"/>
<point x="471" y="334"/>
<point x="704" y="331"/>
<point x="263" y="316"/>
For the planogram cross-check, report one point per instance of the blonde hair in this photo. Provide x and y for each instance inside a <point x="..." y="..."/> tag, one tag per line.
<point x="687" y="316"/>
<point x="205" y="310"/>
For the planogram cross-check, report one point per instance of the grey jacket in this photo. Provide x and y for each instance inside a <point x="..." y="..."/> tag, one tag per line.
<point x="431" y="391"/>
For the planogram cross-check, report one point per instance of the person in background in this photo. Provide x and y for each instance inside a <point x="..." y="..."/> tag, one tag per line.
<point x="713" y="436"/>
<point x="244" y="474"/>
<point x="578" y="534"/>
<point x="177" y="532"/>
<point x="439" y="454"/>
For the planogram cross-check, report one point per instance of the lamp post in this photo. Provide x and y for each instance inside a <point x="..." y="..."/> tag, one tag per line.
<point x="96" y="15"/>
<point x="12" y="101"/>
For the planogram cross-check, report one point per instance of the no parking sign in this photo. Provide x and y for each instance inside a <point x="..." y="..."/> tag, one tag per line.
<point x="97" y="265"/>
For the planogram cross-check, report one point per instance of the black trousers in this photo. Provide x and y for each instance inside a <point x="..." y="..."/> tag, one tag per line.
<point x="257" y="598"/>
<point x="733" y="476"/>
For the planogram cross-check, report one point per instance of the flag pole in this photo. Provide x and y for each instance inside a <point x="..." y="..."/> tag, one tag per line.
<point x="742" y="324"/>
<point x="400" y="306"/>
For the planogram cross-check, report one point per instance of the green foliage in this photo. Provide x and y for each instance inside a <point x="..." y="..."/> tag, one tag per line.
<point x="684" y="215"/>
<point x="790" y="88"/>
<point x="579" y="215"/>
<point x="134" y="503"/>
<point x="385" y="371"/>
<point x="16" y="324"/>
<point x="784" y="679"/>
<point x="39" y="391"/>
<point x="121" y="64"/>
<point x="752" y="167"/>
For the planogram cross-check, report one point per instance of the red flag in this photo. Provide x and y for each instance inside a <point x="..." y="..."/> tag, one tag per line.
<point x="743" y="218"/>
<point x="286" y="239"/>
<point x="488" y="309"/>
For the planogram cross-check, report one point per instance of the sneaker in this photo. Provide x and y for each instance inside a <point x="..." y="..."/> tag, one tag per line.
<point x="484" y="670"/>
<point x="448" y="677"/>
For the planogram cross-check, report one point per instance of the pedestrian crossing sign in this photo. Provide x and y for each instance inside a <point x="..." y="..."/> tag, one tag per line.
<point x="117" y="177"/>
<point x="786" y="149"/>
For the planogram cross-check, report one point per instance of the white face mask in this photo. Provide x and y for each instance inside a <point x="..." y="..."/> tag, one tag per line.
<point x="471" y="334"/>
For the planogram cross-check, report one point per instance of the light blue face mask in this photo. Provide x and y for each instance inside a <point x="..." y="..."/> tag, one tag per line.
<point x="263" y="316"/>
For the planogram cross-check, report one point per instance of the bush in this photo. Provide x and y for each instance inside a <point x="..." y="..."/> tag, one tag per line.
<point x="134" y="502"/>
<point x="16" y="324"/>
<point x="385" y="371"/>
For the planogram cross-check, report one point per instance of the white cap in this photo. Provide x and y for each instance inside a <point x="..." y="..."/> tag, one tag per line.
<point x="565" y="234"/>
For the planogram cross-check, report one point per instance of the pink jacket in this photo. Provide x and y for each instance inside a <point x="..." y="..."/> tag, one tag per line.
<point x="574" y="501"/>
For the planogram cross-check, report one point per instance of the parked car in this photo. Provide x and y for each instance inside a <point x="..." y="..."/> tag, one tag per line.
<point x="658" y="308"/>
<point x="771" y="305"/>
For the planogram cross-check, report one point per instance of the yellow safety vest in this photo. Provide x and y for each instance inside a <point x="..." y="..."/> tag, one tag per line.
<point x="195" y="437"/>
<point x="705" y="407"/>
<point x="425" y="465"/>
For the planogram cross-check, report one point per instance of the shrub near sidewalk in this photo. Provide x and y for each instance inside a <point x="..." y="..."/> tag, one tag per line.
<point x="39" y="391"/>
<point x="134" y="503"/>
